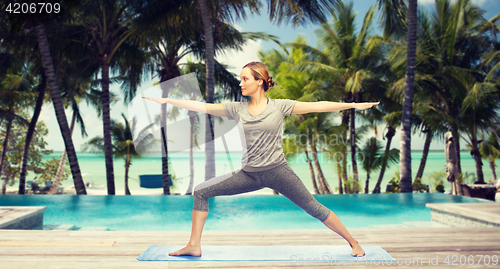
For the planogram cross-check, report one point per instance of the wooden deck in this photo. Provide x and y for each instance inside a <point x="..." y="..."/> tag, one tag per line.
<point x="403" y="244"/>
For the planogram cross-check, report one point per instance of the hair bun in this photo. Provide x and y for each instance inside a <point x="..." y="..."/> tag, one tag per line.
<point x="270" y="82"/>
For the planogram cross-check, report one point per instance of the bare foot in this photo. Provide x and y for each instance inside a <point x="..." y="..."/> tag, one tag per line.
<point x="187" y="251"/>
<point x="357" y="251"/>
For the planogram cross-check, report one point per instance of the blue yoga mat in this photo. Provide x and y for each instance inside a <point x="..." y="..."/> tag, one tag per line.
<point x="294" y="254"/>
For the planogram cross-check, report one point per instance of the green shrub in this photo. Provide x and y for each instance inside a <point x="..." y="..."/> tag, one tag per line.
<point x="418" y="186"/>
<point x="437" y="179"/>
<point x="351" y="186"/>
<point x="395" y="181"/>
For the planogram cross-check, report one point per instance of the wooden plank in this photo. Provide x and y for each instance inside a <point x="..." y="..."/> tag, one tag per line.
<point x="45" y="243"/>
<point x="400" y="243"/>
<point x="85" y="264"/>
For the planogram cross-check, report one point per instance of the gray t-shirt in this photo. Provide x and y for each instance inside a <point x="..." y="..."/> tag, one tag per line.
<point x="261" y="135"/>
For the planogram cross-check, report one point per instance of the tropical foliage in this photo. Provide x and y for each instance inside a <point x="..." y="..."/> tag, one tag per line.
<point x="433" y="71"/>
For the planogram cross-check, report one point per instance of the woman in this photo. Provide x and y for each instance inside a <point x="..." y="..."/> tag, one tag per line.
<point x="263" y="163"/>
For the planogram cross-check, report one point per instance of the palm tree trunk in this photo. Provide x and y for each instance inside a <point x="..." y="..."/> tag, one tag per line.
<point x="4" y="154"/>
<point x="367" y="181"/>
<point x="345" y="123"/>
<point x="164" y="75"/>
<point x="454" y="131"/>
<point x="55" y="94"/>
<point x="405" y="164"/>
<point x="209" y="54"/>
<point x="496" y="136"/>
<point x="344" y="170"/>
<point x="339" y="173"/>
<point x="311" y="169"/>
<point x="30" y="132"/>
<point x="427" y="145"/>
<point x="492" y="167"/>
<point x="164" y="145"/>
<point x="353" y="148"/>
<point x="321" y="186"/>
<point x="127" y="167"/>
<point x="322" y="182"/>
<point x="390" y="134"/>
<point x="57" y="179"/>
<point x="191" y="115"/>
<point x="457" y="149"/>
<point x="106" y="119"/>
<point x="477" y="158"/>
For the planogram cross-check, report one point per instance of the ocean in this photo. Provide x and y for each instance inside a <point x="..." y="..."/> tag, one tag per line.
<point x="93" y="169"/>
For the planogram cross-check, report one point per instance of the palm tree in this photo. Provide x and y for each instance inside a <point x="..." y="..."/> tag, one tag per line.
<point x="14" y="95"/>
<point x="452" y="43"/>
<point x="336" y="150"/>
<point x="36" y="22"/>
<point x="391" y="131"/>
<point x="428" y="121"/>
<point x="194" y="126"/>
<point x="388" y="112"/>
<point x="78" y="89"/>
<point x="397" y="19"/>
<point x="299" y="12"/>
<point x="292" y="147"/>
<point x="318" y="124"/>
<point x="169" y="37"/>
<point x="454" y="66"/>
<point x="179" y="35"/>
<point x="373" y="159"/>
<point x="277" y="63"/>
<point x="209" y="93"/>
<point x="405" y="158"/>
<point x="348" y="56"/>
<point x="110" y="27"/>
<point x="480" y="110"/>
<point x="22" y="57"/>
<point x="123" y="144"/>
<point x="42" y="87"/>
<point x="428" y="118"/>
<point x="225" y="81"/>
<point x="75" y="86"/>
<point x="302" y="87"/>
<point x="490" y="150"/>
<point x="20" y="46"/>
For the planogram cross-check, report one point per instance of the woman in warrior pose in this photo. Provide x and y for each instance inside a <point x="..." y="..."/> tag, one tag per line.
<point x="263" y="163"/>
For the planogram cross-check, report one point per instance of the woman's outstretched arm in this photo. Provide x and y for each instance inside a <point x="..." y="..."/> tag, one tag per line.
<point x="213" y="109"/>
<point x="326" y="106"/>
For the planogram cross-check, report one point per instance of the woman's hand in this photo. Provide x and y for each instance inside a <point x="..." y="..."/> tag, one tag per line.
<point x="362" y="106"/>
<point x="156" y="99"/>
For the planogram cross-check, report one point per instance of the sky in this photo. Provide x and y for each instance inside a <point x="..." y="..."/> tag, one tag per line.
<point x="237" y="59"/>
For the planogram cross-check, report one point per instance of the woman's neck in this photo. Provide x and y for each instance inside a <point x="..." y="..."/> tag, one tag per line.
<point x="258" y="99"/>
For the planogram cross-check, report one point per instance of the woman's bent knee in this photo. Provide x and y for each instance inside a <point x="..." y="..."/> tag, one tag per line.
<point x="318" y="211"/>
<point x="324" y="214"/>
<point x="200" y="202"/>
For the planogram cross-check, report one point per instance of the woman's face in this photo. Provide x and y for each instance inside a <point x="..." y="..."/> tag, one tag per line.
<point x="248" y="83"/>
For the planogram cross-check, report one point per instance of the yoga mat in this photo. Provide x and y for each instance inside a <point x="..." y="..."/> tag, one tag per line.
<point x="38" y="243"/>
<point x="298" y="254"/>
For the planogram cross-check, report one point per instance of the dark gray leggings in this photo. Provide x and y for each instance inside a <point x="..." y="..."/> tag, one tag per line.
<point x="281" y="179"/>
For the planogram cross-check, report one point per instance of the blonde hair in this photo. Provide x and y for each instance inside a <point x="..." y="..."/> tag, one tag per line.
<point x="260" y="71"/>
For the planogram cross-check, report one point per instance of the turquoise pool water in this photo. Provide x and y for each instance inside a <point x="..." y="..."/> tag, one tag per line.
<point x="239" y="212"/>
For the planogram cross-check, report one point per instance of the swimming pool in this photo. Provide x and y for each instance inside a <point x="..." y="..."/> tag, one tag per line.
<point x="238" y="212"/>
